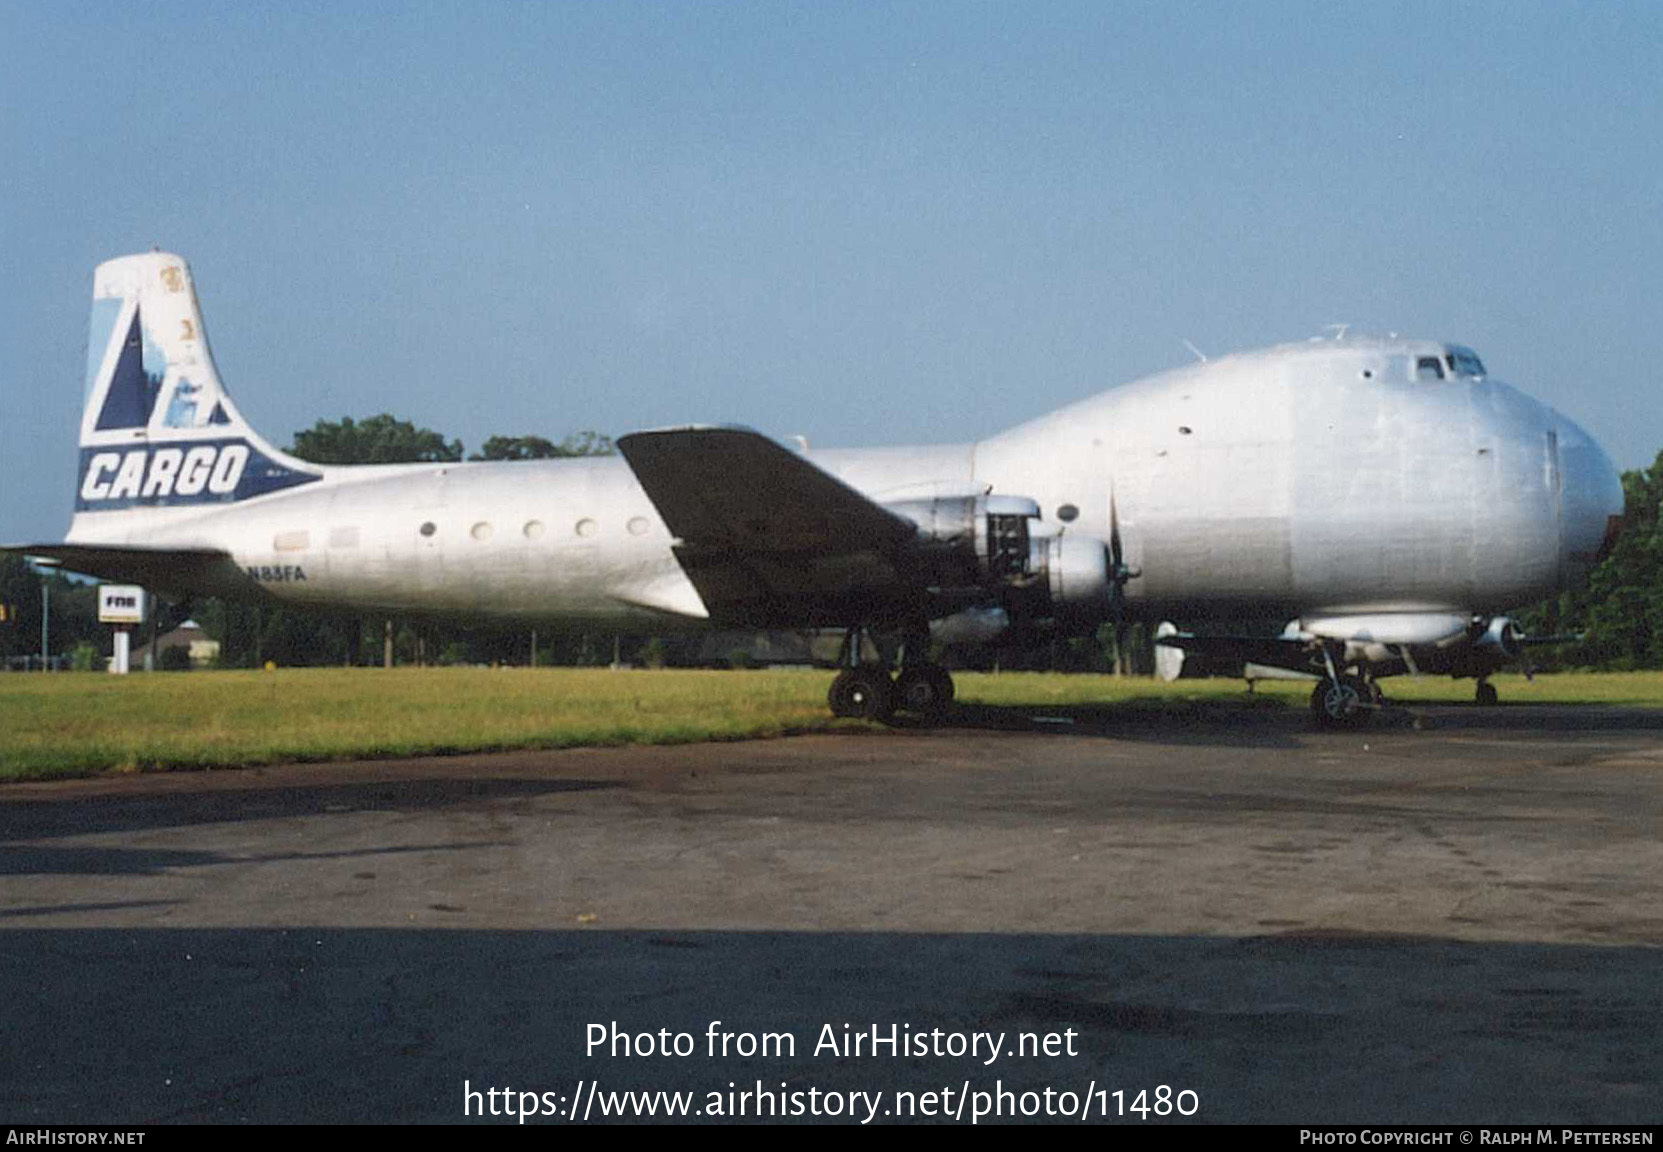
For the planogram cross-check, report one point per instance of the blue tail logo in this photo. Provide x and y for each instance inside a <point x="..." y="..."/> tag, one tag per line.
<point x="159" y="429"/>
<point x="201" y="472"/>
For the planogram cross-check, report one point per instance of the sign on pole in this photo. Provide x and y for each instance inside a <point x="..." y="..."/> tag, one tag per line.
<point x="120" y="604"/>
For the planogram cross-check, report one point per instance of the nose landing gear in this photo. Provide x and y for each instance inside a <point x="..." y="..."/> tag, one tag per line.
<point x="1344" y="701"/>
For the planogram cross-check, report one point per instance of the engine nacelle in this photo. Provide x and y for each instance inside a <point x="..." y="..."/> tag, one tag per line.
<point x="971" y="541"/>
<point x="998" y="548"/>
<point x="1502" y="636"/>
<point x="972" y="626"/>
<point x="1079" y="582"/>
<point x="1386" y="628"/>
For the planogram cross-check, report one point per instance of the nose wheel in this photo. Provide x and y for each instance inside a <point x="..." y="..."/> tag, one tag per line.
<point x="1341" y="702"/>
<point x="1485" y="696"/>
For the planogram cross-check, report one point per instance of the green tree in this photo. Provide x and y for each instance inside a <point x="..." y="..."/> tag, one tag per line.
<point x="74" y="609"/>
<point x="541" y="448"/>
<point x="380" y="439"/>
<point x="1620" y="612"/>
<point x="20" y="603"/>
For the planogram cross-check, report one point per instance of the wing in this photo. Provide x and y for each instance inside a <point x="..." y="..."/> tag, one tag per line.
<point x="766" y="537"/>
<point x="174" y="572"/>
<point x="1272" y="651"/>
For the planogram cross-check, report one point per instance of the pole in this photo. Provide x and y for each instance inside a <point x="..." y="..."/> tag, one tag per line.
<point x="45" y="622"/>
<point x="150" y="649"/>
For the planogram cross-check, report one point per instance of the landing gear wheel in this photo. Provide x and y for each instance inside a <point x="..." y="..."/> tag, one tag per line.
<point x="1339" y="703"/>
<point x="926" y="689"/>
<point x="1376" y="696"/>
<point x="864" y="693"/>
<point x="1486" y="695"/>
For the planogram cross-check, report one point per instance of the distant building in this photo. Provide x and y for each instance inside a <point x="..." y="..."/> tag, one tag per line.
<point x="189" y="636"/>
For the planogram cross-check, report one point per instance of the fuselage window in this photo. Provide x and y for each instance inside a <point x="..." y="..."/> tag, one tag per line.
<point x="1429" y="368"/>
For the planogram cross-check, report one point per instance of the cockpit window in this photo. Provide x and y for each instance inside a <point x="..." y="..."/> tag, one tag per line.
<point x="1429" y="368"/>
<point x="1465" y="362"/>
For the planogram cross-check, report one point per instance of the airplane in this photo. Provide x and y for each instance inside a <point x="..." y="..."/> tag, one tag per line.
<point x="1386" y="494"/>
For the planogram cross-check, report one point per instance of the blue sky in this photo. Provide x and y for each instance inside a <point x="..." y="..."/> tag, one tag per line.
<point x="864" y="223"/>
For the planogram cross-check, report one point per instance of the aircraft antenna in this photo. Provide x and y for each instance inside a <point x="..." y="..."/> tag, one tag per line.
<point x="1337" y="329"/>
<point x="1196" y="352"/>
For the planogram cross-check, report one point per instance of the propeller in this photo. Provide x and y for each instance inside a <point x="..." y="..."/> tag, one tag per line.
<point x="1119" y="573"/>
<point x="1521" y="644"/>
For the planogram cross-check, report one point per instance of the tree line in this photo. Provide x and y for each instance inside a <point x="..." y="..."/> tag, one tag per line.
<point x="1619" y="614"/>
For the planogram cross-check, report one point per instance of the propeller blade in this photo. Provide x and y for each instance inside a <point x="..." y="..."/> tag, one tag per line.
<point x="1115" y="557"/>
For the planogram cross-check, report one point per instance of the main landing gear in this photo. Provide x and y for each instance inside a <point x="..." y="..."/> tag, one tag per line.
<point x="1485" y="695"/>
<point x="867" y="691"/>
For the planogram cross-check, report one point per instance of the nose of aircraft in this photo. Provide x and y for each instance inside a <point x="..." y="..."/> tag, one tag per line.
<point x="1591" y="501"/>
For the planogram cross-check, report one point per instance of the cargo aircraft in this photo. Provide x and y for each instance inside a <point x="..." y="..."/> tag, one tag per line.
<point x="1386" y="495"/>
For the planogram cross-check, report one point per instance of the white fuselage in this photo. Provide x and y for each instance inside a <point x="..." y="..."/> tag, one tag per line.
<point x="1312" y="477"/>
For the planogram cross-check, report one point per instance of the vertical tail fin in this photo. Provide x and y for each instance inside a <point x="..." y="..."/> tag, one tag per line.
<point x="158" y="428"/>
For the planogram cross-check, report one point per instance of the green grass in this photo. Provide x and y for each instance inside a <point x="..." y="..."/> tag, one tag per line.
<point x="70" y="724"/>
<point x="80" y="724"/>
<point x="1037" y="689"/>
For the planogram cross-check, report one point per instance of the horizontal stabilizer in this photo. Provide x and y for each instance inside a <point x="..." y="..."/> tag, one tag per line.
<point x="170" y="571"/>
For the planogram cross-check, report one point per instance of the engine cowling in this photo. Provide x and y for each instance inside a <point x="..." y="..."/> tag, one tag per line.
<point x="1080" y="585"/>
<point x="997" y="550"/>
<point x="1502" y="635"/>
